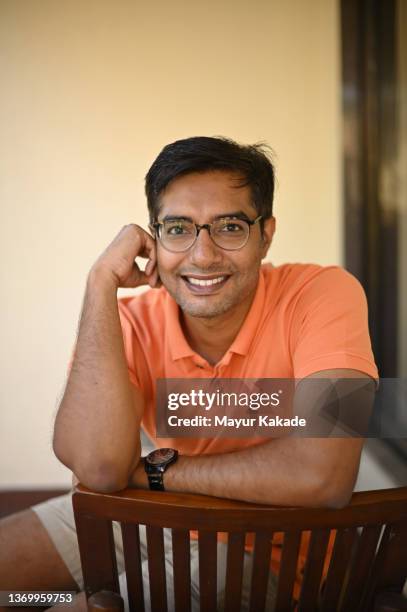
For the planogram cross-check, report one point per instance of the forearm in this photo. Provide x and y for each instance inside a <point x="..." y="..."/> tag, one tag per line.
<point x="97" y="426"/>
<point x="287" y="472"/>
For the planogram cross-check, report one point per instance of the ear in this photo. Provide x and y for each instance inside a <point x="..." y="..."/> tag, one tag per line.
<point x="269" y="227"/>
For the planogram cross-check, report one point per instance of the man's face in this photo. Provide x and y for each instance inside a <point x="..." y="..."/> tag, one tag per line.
<point x="233" y="275"/>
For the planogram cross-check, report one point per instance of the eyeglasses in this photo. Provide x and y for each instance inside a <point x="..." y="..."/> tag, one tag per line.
<point x="229" y="233"/>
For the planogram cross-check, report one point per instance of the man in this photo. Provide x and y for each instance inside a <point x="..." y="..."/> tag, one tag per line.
<point x="218" y="314"/>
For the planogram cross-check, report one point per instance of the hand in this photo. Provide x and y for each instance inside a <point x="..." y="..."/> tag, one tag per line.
<point x="118" y="260"/>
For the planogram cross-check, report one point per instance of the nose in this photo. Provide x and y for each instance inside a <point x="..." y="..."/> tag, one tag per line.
<point x="204" y="252"/>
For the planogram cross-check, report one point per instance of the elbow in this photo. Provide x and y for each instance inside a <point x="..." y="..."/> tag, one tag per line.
<point x="103" y="478"/>
<point x="104" y="482"/>
<point x="338" y="501"/>
<point x="99" y="471"/>
<point x="333" y="495"/>
<point x="60" y="452"/>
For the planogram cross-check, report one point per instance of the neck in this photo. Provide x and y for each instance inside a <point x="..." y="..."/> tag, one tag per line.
<point x="211" y="337"/>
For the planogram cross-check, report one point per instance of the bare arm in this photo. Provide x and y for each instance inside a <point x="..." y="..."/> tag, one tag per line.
<point x="285" y="471"/>
<point x="97" y="428"/>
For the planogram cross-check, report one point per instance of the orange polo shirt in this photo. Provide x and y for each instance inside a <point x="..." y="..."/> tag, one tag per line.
<point x="304" y="318"/>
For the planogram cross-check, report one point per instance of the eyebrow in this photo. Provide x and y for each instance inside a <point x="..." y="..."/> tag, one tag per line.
<point x="239" y="214"/>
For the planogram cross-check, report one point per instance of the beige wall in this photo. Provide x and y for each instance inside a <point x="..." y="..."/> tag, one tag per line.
<point x="90" y="93"/>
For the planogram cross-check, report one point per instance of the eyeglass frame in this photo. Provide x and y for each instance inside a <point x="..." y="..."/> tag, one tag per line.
<point x="157" y="224"/>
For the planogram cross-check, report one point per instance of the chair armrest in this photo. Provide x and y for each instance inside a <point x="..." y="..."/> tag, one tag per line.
<point x="358" y="499"/>
<point x="202" y="512"/>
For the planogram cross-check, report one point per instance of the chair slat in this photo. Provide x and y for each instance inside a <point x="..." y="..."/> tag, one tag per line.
<point x="313" y="569"/>
<point x="260" y="570"/>
<point x="341" y="555"/>
<point x="207" y="570"/>
<point x="395" y="562"/>
<point x="181" y="554"/>
<point x="389" y="568"/>
<point x="360" y="567"/>
<point x="287" y="571"/>
<point x="132" y="563"/>
<point x="97" y="552"/>
<point x="156" y="568"/>
<point x="234" y="571"/>
<point x="377" y="570"/>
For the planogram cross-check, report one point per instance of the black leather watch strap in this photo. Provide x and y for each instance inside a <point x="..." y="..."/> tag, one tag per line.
<point x="156" y="481"/>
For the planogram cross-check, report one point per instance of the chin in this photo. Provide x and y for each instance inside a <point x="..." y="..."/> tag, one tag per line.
<point x="209" y="307"/>
<point x="204" y="311"/>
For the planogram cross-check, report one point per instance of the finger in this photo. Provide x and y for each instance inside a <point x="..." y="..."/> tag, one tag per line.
<point x="157" y="280"/>
<point x="143" y="279"/>
<point x="152" y="278"/>
<point x="137" y="239"/>
<point x="156" y="276"/>
<point x="150" y="272"/>
<point x="148" y="247"/>
<point x="136" y="278"/>
<point x="150" y="267"/>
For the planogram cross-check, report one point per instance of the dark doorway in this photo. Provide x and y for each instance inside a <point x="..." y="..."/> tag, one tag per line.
<point x="375" y="168"/>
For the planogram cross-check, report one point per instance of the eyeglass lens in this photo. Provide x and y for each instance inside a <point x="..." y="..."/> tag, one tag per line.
<point x="179" y="235"/>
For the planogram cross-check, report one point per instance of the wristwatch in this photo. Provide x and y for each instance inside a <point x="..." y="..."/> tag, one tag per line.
<point x="155" y="464"/>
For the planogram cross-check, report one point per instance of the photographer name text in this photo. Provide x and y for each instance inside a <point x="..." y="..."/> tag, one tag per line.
<point x="235" y="423"/>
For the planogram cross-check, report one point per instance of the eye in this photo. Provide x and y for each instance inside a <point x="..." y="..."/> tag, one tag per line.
<point x="177" y="228"/>
<point x="231" y="227"/>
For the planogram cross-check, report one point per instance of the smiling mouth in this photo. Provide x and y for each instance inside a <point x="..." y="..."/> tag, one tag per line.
<point x="205" y="285"/>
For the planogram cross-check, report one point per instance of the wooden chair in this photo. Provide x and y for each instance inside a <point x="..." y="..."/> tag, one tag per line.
<point x="367" y="569"/>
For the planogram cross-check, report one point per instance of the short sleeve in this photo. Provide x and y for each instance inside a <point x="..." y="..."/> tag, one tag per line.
<point x="330" y="326"/>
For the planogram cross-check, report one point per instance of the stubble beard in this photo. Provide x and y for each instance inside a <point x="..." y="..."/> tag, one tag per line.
<point x="221" y="305"/>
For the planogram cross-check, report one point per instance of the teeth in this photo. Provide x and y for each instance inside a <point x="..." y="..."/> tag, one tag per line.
<point x="205" y="283"/>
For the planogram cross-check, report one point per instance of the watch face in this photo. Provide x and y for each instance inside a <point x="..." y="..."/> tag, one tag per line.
<point x="161" y="455"/>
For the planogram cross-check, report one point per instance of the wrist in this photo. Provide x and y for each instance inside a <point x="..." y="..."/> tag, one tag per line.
<point x="138" y="478"/>
<point x="156" y="465"/>
<point x="101" y="278"/>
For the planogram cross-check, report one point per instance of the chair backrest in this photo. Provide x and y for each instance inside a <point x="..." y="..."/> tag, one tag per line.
<point x="369" y="555"/>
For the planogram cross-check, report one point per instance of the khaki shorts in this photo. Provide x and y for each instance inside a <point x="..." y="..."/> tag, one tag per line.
<point x="57" y="517"/>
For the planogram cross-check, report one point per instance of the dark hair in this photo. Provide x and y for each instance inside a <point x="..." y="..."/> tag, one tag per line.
<point x="203" y="153"/>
